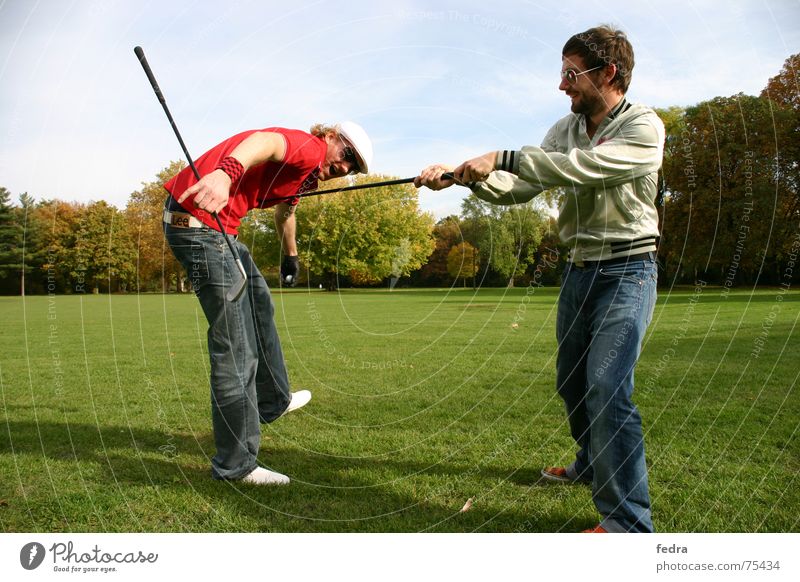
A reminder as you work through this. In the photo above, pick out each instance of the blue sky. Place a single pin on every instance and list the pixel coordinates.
(430, 81)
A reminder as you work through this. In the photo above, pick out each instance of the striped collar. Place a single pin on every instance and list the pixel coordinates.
(618, 110)
(621, 107)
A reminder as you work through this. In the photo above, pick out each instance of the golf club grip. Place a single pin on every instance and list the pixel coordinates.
(146, 66)
(152, 78)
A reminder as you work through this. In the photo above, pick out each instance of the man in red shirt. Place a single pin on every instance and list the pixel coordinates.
(253, 169)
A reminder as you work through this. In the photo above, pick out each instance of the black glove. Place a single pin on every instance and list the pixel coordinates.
(290, 269)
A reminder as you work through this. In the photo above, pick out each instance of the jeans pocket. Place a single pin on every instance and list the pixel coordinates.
(629, 272)
(198, 251)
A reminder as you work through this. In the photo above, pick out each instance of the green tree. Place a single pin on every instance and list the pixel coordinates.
(259, 233)
(506, 236)
(729, 205)
(11, 245)
(31, 241)
(678, 157)
(784, 91)
(463, 262)
(367, 235)
(57, 223)
(155, 266)
(446, 234)
(104, 255)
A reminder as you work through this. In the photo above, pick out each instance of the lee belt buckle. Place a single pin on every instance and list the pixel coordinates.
(179, 219)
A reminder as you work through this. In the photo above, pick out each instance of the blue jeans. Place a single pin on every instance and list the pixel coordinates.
(249, 382)
(603, 313)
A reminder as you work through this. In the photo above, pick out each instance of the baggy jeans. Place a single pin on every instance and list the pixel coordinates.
(249, 382)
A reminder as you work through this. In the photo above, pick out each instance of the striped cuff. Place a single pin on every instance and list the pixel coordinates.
(507, 161)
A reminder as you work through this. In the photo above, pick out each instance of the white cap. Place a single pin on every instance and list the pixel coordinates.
(360, 141)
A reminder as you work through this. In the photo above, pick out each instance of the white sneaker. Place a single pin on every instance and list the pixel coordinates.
(262, 476)
(299, 399)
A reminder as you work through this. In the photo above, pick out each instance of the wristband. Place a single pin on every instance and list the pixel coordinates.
(232, 167)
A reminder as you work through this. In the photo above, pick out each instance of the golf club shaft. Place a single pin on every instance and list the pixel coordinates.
(146, 66)
(446, 176)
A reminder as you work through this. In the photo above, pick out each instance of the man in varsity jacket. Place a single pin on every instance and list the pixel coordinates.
(605, 155)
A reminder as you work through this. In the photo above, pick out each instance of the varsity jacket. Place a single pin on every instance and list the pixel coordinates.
(610, 181)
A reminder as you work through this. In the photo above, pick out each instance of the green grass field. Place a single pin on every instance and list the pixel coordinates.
(423, 399)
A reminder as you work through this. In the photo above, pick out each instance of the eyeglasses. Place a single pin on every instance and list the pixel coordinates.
(571, 75)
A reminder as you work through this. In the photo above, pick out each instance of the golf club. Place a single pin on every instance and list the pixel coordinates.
(446, 176)
(236, 290)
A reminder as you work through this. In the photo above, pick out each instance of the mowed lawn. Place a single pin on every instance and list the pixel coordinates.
(423, 399)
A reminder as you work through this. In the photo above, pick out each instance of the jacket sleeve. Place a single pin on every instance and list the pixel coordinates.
(635, 151)
(506, 188)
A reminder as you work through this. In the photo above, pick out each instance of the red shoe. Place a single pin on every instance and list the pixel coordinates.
(559, 475)
(596, 529)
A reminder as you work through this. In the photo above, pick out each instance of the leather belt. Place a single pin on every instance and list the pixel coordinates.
(615, 261)
(181, 220)
(175, 215)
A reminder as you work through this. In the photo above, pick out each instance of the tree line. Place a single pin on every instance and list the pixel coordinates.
(729, 203)
(731, 185)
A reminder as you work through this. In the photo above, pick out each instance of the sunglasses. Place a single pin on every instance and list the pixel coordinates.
(571, 75)
(349, 155)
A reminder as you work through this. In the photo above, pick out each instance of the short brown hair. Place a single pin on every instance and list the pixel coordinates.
(604, 45)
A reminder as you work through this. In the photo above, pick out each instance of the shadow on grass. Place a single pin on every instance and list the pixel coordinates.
(124, 450)
(328, 494)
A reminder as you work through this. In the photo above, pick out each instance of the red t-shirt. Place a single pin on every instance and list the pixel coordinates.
(260, 185)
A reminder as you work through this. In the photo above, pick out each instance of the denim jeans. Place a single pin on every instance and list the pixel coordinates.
(603, 313)
(249, 383)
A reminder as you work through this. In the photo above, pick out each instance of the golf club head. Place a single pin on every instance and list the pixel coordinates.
(237, 287)
(236, 291)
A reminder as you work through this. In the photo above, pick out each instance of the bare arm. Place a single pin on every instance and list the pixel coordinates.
(286, 224)
(213, 189)
(260, 147)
